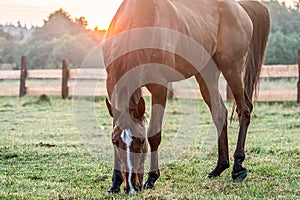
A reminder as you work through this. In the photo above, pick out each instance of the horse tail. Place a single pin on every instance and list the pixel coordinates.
(259, 15)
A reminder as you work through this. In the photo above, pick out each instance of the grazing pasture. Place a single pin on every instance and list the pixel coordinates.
(43, 157)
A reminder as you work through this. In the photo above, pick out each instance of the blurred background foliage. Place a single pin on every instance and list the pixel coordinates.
(284, 40)
(62, 37)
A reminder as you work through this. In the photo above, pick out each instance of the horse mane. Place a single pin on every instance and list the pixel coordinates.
(260, 18)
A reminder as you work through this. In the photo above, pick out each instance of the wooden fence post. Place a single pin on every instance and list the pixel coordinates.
(298, 98)
(23, 77)
(65, 77)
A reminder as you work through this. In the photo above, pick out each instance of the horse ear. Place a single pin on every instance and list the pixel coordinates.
(108, 105)
(141, 108)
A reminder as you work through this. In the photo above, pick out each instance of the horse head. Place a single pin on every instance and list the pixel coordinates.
(129, 140)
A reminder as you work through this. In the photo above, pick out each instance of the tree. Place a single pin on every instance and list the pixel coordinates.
(297, 4)
(7, 50)
(283, 19)
(58, 24)
(282, 49)
(7, 47)
(5, 34)
(284, 39)
(60, 38)
(74, 48)
(81, 22)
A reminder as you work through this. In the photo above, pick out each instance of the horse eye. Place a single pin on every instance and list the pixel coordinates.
(115, 141)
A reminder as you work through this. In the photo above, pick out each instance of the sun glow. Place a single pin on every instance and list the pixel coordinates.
(33, 12)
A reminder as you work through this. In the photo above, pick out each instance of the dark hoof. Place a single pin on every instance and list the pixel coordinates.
(211, 176)
(112, 191)
(239, 176)
(149, 185)
(217, 171)
(152, 178)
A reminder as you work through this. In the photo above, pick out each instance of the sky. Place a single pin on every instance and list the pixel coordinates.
(33, 12)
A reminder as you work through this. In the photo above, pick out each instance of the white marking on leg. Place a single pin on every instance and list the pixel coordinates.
(127, 139)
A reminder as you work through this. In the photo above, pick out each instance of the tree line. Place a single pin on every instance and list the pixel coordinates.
(284, 39)
(62, 37)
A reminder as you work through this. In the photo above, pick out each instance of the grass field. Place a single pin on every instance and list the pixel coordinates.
(43, 154)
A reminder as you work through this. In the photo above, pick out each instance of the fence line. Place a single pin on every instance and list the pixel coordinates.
(273, 71)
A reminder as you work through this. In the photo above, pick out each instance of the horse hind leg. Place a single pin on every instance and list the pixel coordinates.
(208, 83)
(234, 79)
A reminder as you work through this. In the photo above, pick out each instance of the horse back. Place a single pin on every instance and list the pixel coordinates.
(194, 18)
(213, 24)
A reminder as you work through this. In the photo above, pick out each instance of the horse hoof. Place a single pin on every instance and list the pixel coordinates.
(148, 185)
(239, 176)
(211, 176)
(109, 193)
(112, 191)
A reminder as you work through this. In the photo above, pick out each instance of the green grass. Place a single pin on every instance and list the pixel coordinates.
(75, 167)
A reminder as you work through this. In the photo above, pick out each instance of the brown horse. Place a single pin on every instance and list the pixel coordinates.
(153, 42)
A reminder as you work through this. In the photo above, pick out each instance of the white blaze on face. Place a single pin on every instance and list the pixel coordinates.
(127, 139)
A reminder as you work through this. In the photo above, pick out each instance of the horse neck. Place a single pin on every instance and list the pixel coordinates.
(122, 98)
(135, 98)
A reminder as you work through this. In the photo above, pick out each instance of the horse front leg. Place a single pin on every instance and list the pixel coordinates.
(154, 172)
(117, 179)
(159, 96)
